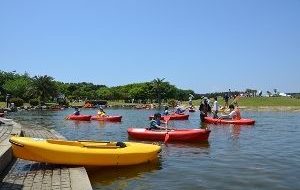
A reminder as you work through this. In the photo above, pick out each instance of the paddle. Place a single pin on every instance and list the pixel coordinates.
(167, 118)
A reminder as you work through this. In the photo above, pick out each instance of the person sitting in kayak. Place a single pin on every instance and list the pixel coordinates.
(234, 114)
(179, 110)
(155, 122)
(77, 111)
(166, 112)
(101, 112)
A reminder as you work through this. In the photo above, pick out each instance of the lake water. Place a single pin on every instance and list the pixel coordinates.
(263, 156)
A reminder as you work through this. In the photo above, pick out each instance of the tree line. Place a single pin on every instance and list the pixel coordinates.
(46, 89)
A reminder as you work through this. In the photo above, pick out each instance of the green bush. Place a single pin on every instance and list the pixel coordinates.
(34, 102)
(2, 98)
(17, 101)
(172, 102)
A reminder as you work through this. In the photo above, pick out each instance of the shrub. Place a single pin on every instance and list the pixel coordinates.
(172, 102)
(17, 101)
(34, 102)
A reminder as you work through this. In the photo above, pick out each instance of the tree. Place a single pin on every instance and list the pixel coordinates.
(104, 93)
(44, 87)
(158, 89)
(18, 87)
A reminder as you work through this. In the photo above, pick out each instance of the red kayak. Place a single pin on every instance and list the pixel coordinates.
(229, 121)
(111, 118)
(174, 117)
(79, 117)
(183, 135)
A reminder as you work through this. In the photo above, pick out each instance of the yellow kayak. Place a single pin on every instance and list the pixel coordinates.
(94, 153)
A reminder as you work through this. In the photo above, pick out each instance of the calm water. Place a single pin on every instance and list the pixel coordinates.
(263, 156)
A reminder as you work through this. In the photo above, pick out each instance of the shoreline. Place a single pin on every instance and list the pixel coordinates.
(271, 108)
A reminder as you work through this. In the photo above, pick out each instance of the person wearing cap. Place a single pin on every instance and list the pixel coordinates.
(155, 122)
(204, 108)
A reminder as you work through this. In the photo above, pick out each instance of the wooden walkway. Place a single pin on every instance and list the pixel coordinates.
(23, 174)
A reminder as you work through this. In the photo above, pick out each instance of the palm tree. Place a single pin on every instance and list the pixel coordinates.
(44, 87)
(158, 89)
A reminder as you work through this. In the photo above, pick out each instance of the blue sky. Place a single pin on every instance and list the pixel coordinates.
(205, 46)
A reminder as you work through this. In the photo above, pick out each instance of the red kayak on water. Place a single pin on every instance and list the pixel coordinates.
(79, 117)
(174, 117)
(112, 118)
(179, 135)
(242, 121)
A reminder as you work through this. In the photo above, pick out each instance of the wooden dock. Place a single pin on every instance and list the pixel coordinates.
(28, 175)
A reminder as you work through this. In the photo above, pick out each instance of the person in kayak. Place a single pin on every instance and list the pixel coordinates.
(179, 110)
(166, 112)
(234, 114)
(204, 108)
(155, 122)
(101, 112)
(215, 108)
(77, 111)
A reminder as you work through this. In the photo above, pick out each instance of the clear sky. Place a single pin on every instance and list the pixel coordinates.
(203, 45)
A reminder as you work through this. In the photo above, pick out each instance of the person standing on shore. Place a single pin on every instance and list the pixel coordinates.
(226, 99)
(204, 109)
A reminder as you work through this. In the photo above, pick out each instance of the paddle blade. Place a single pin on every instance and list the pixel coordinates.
(167, 138)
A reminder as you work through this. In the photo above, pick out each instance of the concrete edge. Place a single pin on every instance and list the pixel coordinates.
(79, 179)
(58, 135)
(78, 175)
(6, 154)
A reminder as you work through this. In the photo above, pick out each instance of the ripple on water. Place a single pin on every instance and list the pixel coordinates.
(263, 156)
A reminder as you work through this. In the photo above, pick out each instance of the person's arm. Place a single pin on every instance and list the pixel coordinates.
(228, 116)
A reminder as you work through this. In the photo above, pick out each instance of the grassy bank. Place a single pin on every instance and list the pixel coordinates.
(259, 101)
(248, 102)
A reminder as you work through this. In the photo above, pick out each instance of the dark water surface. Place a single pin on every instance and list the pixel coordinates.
(263, 156)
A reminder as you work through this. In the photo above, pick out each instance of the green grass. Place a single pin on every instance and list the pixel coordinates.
(259, 101)
(243, 101)
(2, 104)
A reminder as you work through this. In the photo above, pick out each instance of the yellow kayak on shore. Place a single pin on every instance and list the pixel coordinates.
(94, 153)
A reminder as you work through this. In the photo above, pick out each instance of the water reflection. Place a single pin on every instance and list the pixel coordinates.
(119, 177)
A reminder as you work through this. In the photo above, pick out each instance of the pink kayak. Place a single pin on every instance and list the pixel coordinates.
(111, 118)
(229, 121)
(183, 135)
(79, 117)
(174, 117)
